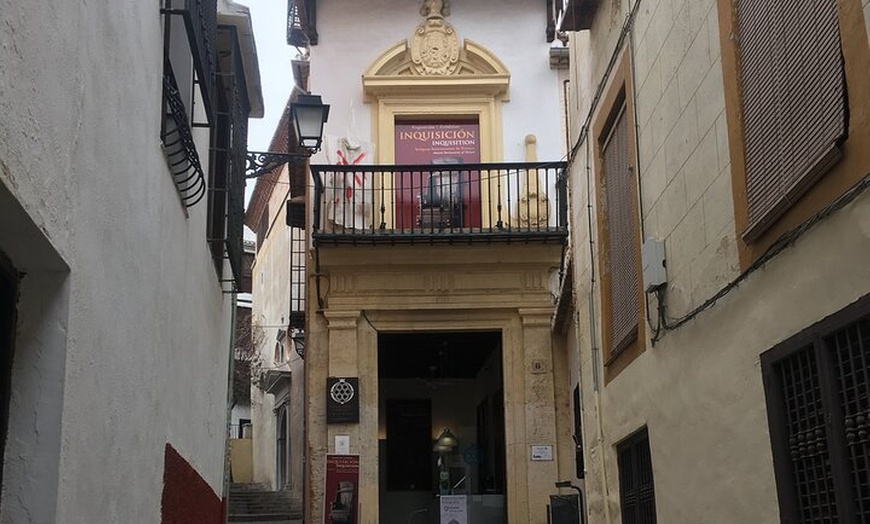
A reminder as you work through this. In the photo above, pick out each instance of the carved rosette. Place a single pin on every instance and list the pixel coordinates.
(435, 48)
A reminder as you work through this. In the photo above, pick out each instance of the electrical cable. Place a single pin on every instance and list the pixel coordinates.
(783, 242)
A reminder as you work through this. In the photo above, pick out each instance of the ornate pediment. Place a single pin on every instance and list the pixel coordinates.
(434, 55)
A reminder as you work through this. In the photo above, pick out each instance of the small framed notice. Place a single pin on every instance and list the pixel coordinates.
(542, 453)
(342, 444)
(454, 509)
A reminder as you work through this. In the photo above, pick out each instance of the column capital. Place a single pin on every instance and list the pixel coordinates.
(538, 316)
(342, 319)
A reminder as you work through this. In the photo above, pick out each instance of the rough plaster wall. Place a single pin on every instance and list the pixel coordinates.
(35, 408)
(146, 346)
(705, 408)
(348, 44)
(263, 420)
(699, 390)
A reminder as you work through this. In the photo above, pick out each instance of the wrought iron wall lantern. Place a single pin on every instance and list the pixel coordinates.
(307, 116)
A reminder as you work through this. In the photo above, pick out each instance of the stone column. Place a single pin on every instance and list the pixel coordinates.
(353, 353)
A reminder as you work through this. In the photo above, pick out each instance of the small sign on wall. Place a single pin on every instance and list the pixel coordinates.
(454, 509)
(342, 400)
(342, 444)
(542, 453)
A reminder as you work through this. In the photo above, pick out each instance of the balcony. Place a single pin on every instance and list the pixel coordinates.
(440, 203)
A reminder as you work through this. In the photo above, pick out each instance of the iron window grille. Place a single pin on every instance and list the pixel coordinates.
(301, 23)
(226, 190)
(178, 144)
(200, 22)
(636, 487)
(817, 387)
(575, 15)
(296, 223)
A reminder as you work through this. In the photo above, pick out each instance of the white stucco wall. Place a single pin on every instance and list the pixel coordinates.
(127, 331)
(271, 308)
(352, 37)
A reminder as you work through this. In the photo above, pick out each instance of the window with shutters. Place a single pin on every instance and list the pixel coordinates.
(618, 227)
(263, 228)
(792, 100)
(637, 497)
(817, 386)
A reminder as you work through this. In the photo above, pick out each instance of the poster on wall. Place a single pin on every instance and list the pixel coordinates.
(454, 509)
(447, 198)
(342, 489)
(349, 196)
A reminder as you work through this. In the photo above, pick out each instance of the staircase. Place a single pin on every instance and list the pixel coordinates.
(254, 503)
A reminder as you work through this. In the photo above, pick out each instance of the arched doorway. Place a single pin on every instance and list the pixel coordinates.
(283, 449)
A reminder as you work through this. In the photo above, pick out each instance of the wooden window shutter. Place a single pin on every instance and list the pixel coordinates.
(622, 242)
(793, 101)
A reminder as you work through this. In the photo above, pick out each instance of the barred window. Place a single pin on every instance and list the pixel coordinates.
(817, 386)
(637, 500)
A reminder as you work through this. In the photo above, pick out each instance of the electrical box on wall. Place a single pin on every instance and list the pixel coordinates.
(655, 273)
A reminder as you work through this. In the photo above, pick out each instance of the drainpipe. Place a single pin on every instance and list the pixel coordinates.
(225, 495)
(593, 343)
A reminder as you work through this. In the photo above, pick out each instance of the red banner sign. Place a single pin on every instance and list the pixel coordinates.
(342, 489)
(449, 198)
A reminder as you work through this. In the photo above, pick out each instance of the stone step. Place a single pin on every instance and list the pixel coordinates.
(255, 503)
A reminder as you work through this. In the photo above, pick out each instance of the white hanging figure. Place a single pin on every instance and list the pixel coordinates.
(349, 196)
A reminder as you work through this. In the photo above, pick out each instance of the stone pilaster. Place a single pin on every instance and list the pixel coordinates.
(540, 412)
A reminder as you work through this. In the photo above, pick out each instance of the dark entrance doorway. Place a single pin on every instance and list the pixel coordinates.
(441, 426)
(8, 300)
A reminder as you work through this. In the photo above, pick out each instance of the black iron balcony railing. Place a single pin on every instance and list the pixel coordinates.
(440, 203)
(178, 144)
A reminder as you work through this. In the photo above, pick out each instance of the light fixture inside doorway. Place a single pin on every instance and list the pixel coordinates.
(446, 442)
